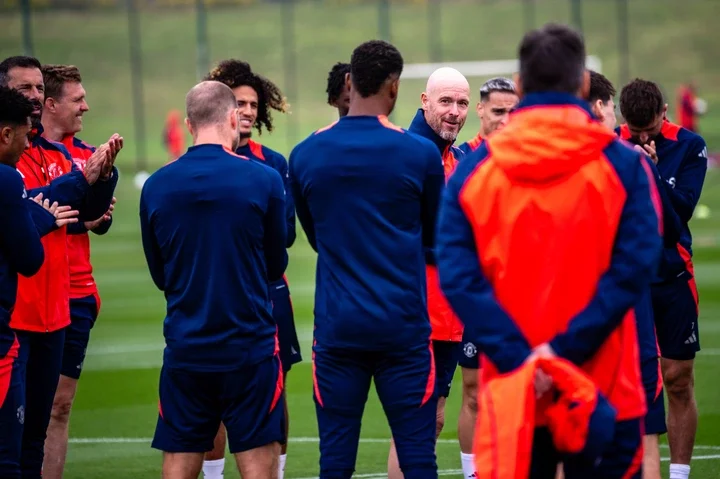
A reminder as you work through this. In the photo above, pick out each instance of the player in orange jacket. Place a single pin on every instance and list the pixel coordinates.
(549, 234)
(42, 310)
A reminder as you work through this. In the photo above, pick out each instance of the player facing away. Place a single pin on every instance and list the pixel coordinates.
(497, 99)
(62, 117)
(21, 253)
(256, 96)
(548, 236)
(371, 217)
(338, 95)
(213, 231)
(444, 108)
(681, 158)
(42, 310)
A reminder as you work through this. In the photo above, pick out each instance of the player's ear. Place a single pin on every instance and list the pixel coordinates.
(597, 109)
(394, 88)
(518, 85)
(584, 92)
(49, 104)
(234, 118)
(348, 81)
(480, 108)
(664, 112)
(189, 127)
(423, 100)
(6, 135)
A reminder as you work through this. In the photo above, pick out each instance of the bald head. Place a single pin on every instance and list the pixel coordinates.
(445, 101)
(445, 77)
(212, 115)
(208, 104)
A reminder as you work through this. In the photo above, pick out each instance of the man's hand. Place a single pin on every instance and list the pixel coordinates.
(63, 214)
(543, 382)
(115, 144)
(100, 164)
(649, 150)
(91, 225)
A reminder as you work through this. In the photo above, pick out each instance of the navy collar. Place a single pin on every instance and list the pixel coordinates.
(554, 99)
(419, 126)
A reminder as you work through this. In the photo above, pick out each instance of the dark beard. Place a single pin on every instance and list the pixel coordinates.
(245, 136)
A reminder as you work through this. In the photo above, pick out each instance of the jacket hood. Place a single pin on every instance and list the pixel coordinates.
(419, 126)
(550, 136)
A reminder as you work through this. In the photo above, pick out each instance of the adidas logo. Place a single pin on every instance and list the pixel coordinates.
(292, 350)
(703, 153)
(692, 339)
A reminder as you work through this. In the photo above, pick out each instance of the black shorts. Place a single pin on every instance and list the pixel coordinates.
(83, 313)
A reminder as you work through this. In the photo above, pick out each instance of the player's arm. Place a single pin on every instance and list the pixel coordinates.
(302, 209)
(466, 287)
(73, 189)
(153, 255)
(289, 203)
(689, 181)
(432, 191)
(635, 256)
(276, 258)
(672, 226)
(22, 226)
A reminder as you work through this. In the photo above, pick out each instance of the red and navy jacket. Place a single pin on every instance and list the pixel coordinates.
(22, 224)
(682, 165)
(82, 283)
(46, 167)
(213, 232)
(257, 152)
(472, 145)
(550, 233)
(366, 194)
(445, 324)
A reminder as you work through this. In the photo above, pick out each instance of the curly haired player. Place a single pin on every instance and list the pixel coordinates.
(256, 98)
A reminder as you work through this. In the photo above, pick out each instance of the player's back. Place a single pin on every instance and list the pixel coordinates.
(370, 190)
(545, 197)
(208, 213)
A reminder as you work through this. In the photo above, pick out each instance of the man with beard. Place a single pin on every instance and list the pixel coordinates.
(42, 310)
(497, 99)
(337, 91)
(256, 96)
(681, 158)
(21, 253)
(213, 232)
(62, 117)
(442, 115)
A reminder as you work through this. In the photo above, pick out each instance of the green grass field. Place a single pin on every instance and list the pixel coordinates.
(116, 406)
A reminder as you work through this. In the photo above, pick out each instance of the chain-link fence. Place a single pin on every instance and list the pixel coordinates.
(139, 57)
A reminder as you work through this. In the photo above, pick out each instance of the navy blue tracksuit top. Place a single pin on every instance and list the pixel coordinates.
(213, 231)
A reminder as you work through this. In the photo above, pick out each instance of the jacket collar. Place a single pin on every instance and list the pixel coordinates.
(419, 126)
(542, 99)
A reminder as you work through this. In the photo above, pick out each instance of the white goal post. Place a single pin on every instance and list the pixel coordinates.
(479, 68)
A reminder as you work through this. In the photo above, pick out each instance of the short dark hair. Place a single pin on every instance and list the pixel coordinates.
(552, 59)
(15, 108)
(641, 101)
(336, 81)
(372, 64)
(55, 76)
(496, 84)
(600, 88)
(237, 73)
(16, 62)
(208, 103)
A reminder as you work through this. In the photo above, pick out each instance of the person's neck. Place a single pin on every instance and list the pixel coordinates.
(371, 106)
(53, 132)
(244, 140)
(212, 138)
